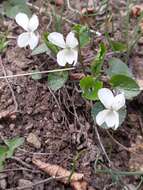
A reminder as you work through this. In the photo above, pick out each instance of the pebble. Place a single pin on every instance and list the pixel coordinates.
(1, 126)
(18, 89)
(12, 126)
(140, 42)
(34, 140)
(24, 182)
(3, 184)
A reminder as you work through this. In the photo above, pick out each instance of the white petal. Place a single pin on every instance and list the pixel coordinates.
(57, 39)
(112, 119)
(106, 97)
(119, 102)
(71, 56)
(117, 120)
(22, 20)
(33, 41)
(23, 39)
(33, 23)
(71, 40)
(61, 58)
(100, 118)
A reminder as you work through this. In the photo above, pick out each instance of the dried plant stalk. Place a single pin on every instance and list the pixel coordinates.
(58, 171)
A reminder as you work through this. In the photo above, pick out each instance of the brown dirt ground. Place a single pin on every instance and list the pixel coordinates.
(61, 121)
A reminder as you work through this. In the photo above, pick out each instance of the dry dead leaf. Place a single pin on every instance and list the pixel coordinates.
(6, 114)
(89, 9)
(76, 76)
(58, 2)
(141, 25)
(140, 83)
(76, 181)
(136, 10)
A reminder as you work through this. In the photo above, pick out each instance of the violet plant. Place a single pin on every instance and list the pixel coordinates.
(109, 108)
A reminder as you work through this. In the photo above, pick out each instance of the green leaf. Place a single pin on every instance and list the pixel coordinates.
(12, 7)
(90, 87)
(42, 48)
(99, 59)
(13, 144)
(84, 34)
(99, 107)
(36, 76)
(116, 66)
(3, 152)
(54, 49)
(57, 80)
(118, 46)
(3, 42)
(125, 84)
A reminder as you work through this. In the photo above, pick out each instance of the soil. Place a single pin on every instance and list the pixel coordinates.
(61, 121)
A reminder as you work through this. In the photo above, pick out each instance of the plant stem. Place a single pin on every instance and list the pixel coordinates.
(127, 20)
(119, 173)
(74, 164)
(80, 55)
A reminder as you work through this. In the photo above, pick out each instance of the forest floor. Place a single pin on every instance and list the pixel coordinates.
(58, 125)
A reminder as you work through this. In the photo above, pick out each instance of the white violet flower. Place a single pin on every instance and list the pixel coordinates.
(69, 52)
(29, 25)
(112, 105)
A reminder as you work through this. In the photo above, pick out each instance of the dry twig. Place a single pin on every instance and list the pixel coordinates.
(9, 85)
(102, 146)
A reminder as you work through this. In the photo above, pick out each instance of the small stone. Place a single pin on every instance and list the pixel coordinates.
(3, 184)
(140, 42)
(12, 126)
(10, 102)
(34, 140)
(24, 182)
(29, 110)
(1, 126)
(40, 186)
(18, 89)
(21, 64)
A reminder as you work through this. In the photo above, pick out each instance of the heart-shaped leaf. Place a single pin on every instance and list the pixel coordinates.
(125, 84)
(3, 154)
(57, 80)
(13, 144)
(117, 67)
(90, 87)
(35, 75)
(41, 49)
(13, 7)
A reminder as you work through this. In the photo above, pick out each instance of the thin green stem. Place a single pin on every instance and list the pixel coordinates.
(139, 185)
(80, 55)
(119, 173)
(74, 164)
(127, 21)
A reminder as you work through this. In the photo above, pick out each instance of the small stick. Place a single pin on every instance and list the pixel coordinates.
(37, 183)
(20, 169)
(125, 148)
(9, 85)
(37, 72)
(21, 162)
(101, 145)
